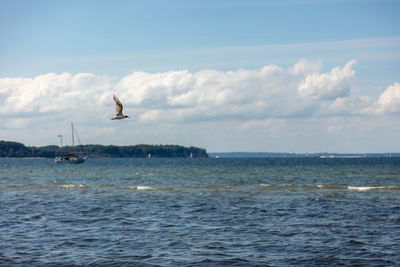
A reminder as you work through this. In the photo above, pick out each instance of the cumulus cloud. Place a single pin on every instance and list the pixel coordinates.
(350, 105)
(206, 94)
(304, 66)
(389, 100)
(270, 92)
(211, 87)
(52, 93)
(328, 86)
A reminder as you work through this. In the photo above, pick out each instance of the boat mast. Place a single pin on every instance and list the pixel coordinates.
(72, 130)
(60, 136)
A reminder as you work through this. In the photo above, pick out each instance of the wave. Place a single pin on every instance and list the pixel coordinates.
(210, 187)
(278, 185)
(73, 186)
(141, 187)
(25, 186)
(365, 188)
(331, 187)
(43, 186)
(322, 186)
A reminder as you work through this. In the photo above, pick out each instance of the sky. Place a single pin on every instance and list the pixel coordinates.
(302, 76)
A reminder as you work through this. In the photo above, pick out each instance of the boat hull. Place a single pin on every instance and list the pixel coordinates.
(70, 159)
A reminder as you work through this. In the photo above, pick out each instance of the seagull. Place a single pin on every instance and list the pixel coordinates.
(118, 110)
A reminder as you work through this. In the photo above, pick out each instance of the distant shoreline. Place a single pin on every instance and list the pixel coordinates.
(23, 158)
(300, 155)
(10, 149)
(18, 150)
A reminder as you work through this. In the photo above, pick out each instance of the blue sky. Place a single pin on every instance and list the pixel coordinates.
(51, 34)
(326, 71)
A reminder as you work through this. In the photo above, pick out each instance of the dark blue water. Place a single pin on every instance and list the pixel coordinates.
(200, 212)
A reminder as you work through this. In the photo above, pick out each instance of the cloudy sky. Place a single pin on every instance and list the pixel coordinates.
(263, 76)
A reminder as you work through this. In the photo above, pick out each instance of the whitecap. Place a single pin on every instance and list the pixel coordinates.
(142, 187)
(323, 186)
(69, 186)
(72, 186)
(365, 188)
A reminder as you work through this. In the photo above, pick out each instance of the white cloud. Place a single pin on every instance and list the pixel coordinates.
(389, 101)
(250, 103)
(304, 66)
(206, 94)
(208, 87)
(184, 96)
(350, 105)
(53, 94)
(328, 86)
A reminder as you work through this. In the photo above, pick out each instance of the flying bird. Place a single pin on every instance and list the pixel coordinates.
(118, 110)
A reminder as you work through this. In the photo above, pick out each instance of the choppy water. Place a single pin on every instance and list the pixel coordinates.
(200, 212)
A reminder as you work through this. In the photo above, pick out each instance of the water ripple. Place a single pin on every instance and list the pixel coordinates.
(167, 212)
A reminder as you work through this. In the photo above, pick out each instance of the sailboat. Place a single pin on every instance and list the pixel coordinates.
(73, 156)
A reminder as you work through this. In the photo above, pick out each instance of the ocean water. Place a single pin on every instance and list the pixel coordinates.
(200, 212)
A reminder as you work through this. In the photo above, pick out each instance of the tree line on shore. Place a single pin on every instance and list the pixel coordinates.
(19, 150)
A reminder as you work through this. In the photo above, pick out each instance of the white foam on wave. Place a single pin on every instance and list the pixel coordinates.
(72, 186)
(278, 185)
(140, 187)
(365, 188)
(329, 187)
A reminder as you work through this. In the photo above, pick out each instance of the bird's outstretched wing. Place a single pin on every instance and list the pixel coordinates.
(118, 107)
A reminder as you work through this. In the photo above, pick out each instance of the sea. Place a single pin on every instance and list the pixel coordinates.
(200, 212)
